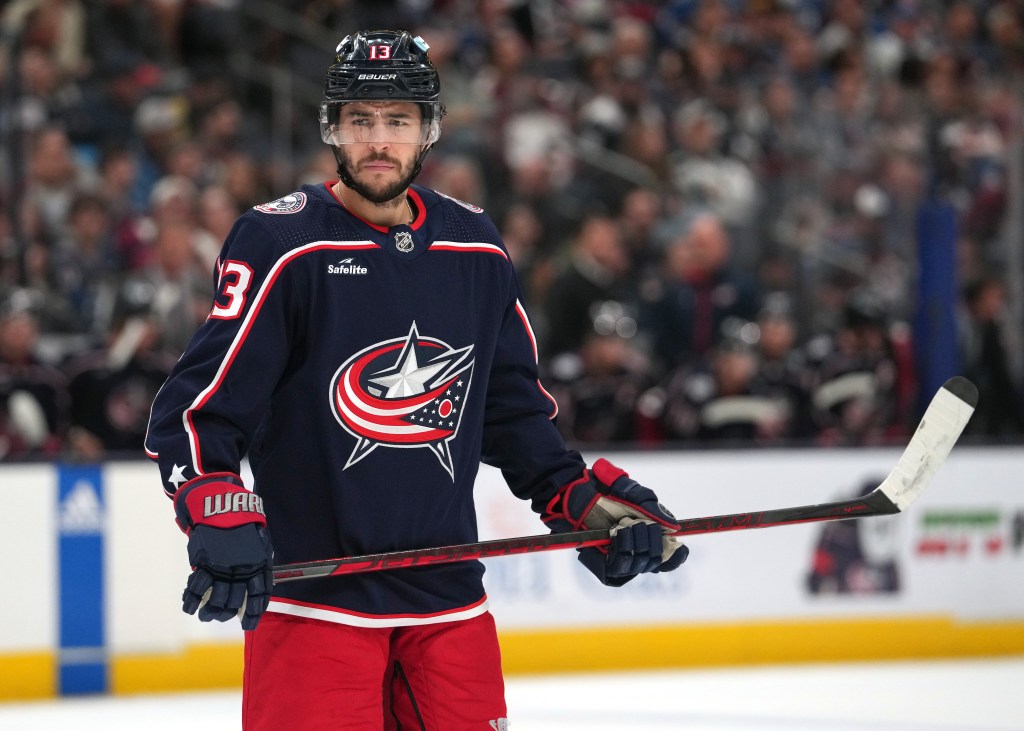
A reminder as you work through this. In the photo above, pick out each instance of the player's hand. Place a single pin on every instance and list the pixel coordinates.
(228, 547)
(606, 497)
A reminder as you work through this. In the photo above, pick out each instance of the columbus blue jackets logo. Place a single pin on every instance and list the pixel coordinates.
(407, 392)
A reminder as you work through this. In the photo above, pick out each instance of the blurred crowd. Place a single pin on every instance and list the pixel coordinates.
(711, 204)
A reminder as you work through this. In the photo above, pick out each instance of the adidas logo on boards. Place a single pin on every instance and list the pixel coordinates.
(81, 512)
(347, 267)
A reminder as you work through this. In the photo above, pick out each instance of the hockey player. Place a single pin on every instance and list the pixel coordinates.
(367, 349)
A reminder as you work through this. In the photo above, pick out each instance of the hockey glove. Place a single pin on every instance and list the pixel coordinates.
(606, 497)
(228, 547)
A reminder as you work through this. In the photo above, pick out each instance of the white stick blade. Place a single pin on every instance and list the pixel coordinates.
(943, 422)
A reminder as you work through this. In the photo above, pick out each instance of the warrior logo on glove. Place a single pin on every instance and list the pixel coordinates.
(232, 502)
(406, 392)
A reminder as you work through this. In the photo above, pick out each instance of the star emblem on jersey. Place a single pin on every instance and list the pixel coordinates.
(406, 392)
(177, 475)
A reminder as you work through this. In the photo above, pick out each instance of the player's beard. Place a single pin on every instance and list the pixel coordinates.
(380, 194)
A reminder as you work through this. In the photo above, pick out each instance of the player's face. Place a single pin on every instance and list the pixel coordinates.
(379, 122)
(382, 144)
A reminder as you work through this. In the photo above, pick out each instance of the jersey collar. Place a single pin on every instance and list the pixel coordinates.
(414, 198)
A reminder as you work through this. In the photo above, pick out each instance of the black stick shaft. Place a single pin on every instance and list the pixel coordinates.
(874, 504)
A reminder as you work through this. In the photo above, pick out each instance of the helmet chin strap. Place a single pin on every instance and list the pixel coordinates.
(351, 183)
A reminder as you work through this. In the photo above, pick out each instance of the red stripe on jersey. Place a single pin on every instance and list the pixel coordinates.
(479, 248)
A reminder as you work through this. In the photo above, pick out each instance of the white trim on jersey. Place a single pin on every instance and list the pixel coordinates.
(536, 357)
(468, 246)
(340, 616)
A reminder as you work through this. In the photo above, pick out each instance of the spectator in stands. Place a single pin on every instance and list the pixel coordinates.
(187, 159)
(782, 369)
(117, 175)
(615, 72)
(84, 264)
(539, 182)
(221, 129)
(596, 271)
(720, 398)
(118, 29)
(245, 180)
(30, 268)
(57, 28)
(160, 123)
(181, 284)
(785, 141)
(522, 232)
(646, 142)
(33, 393)
(598, 385)
(638, 218)
(173, 199)
(459, 177)
(800, 61)
(116, 171)
(53, 179)
(112, 386)
(9, 264)
(47, 97)
(218, 212)
(697, 291)
(986, 347)
(860, 396)
(708, 177)
(465, 125)
(122, 79)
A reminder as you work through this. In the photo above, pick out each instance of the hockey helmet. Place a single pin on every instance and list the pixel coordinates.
(374, 66)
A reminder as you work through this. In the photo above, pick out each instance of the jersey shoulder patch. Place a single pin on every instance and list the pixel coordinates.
(467, 206)
(291, 203)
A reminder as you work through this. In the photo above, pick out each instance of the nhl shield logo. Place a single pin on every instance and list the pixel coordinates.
(403, 241)
(406, 393)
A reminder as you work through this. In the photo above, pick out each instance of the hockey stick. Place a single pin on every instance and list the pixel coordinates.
(940, 427)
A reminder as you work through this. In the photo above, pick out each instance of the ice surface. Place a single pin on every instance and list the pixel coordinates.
(975, 695)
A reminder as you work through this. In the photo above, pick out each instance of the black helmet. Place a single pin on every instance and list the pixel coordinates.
(382, 65)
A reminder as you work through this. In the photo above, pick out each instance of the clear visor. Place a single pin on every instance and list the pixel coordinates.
(387, 123)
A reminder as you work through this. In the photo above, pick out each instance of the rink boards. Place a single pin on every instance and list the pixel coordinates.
(95, 568)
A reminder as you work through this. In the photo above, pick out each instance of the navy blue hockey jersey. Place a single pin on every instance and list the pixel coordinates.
(366, 372)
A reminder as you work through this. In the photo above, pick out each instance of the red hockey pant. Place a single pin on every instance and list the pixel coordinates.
(310, 675)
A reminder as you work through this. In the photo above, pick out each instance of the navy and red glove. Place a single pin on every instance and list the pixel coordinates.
(606, 497)
(228, 547)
